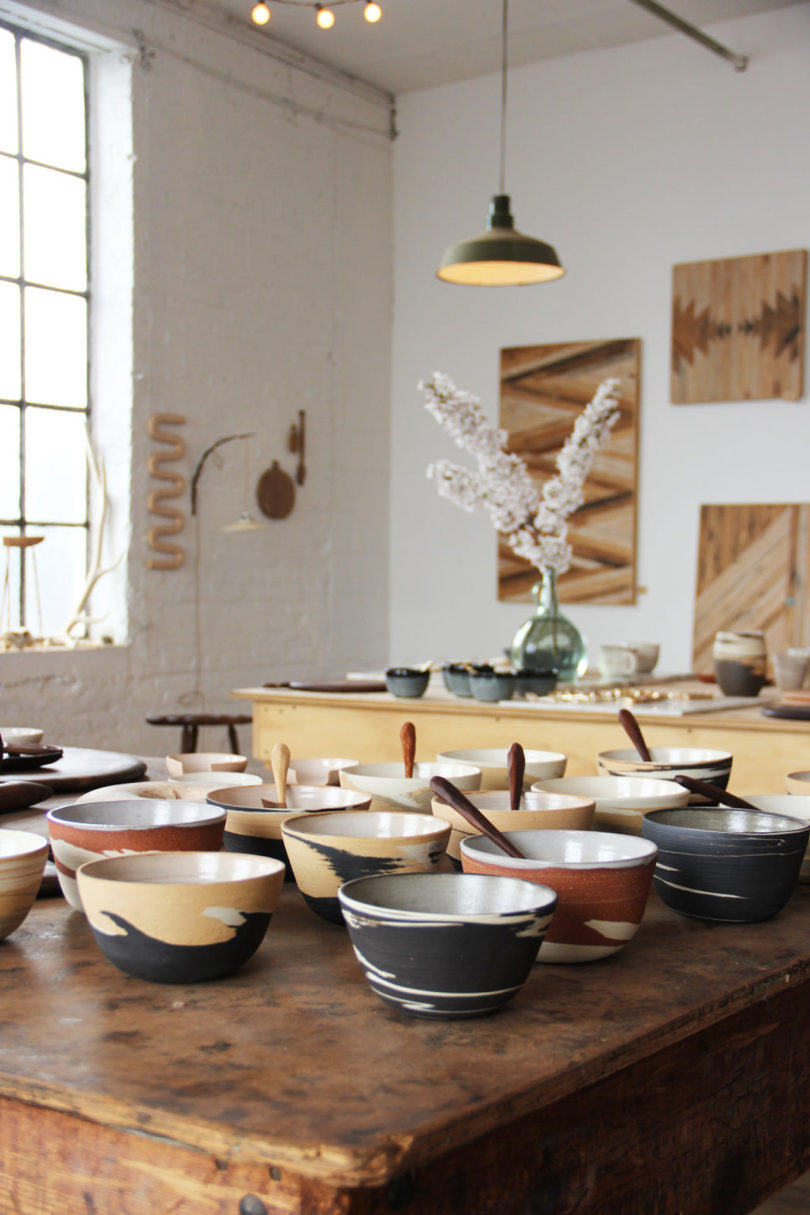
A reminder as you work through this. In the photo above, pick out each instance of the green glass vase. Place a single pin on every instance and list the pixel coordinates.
(548, 638)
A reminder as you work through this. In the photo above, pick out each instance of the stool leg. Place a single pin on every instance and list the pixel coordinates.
(188, 742)
(232, 739)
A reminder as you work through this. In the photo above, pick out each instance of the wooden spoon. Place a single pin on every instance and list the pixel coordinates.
(448, 793)
(407, 736)
(633, 731)
(715, 793)
(515, 766)
(280, 762)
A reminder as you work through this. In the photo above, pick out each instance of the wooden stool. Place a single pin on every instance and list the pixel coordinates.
(191, 722)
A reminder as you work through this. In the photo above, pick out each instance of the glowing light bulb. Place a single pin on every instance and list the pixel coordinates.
(372, 12)
(261, 13)
(325, 17)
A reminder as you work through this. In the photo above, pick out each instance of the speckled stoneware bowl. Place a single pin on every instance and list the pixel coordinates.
(798, 782)
(537, 811)
(621, 801)
(794, 806)
(391, 789)
(85, 831)
(162, 790)
(254, 820)
(540, 765)
(668, 762)
(738, 866)
(326, 850)
(317, 771)
(180, 917)
(22, 863)
(602, 880)
(446, 945)
(205, 761)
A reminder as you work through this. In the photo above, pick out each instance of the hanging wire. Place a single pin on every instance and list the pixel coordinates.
(504, 41)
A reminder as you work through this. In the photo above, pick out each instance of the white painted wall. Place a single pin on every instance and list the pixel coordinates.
(628, 161)
(262, 272)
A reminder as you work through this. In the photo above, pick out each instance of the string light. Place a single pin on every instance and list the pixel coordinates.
(324, 17)
(261, 13)
(324, 14)
(372, 12)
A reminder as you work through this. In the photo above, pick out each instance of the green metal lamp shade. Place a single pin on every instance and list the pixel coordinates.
(501, 256)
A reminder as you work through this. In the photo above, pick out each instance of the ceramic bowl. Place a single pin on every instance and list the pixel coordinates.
(739, 866)
(163, 790)
(320, 771)
(254, 821)
(406, 681)
(216, 779)
(326, 850)
(602, 881)
(456, 676)
(21, 734)
(85, 831)
(493, 685)
(390, 789)
(540, 765)
(798, 782)
(621, 801)
(538, 810)
(205, 761)
(794, 806)
(446, 945)
(668, 762)
(538, 683)
(180, 917)
(22, 863)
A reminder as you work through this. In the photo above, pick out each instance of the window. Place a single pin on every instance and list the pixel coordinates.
(44, 305)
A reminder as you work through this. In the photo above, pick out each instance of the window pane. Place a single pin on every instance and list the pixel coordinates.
(10, 592)
(9, 216)
(56, 568)
(54, 220)
(8, 93)
(9, 462)
(52, 106)
(55, 348)
(55, 466)
(10, 345)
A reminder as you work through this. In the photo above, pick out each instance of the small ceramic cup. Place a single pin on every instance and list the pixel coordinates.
(617, 662)
(790, 670)
(646, 653)
(739, 662)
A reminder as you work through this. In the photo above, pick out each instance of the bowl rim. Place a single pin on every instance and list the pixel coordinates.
(29, 844)
(634, 796)
(656, 815)
(96, 869)
(641, 849)
(563, 801)
(361, 798)
(419, 778)
(308, 827)
(534, 902)
(531, 757)
(629, 755)
(202, 814)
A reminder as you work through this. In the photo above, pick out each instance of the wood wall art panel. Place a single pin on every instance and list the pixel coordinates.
(543, 390)
(753, 564)
(738, 328)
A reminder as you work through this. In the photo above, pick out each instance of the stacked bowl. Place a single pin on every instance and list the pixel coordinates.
(537, 811)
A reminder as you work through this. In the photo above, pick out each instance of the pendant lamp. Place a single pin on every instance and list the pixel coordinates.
(501, 256)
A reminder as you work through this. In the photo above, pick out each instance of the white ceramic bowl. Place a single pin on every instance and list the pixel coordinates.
(621, 801)
(216, 780)
(162, 790)
(21, 734)
(537, 811)
(205, 761)
(540, 765)
(22, 863)
(390, 789)
(317, 771)
(667, 763)
(794, 805)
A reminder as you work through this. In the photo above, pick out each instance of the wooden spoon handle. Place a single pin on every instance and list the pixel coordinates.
(448, 793)
(714, 793)
(515, 766)
(633, 731)
(407, 736)
(280, 762)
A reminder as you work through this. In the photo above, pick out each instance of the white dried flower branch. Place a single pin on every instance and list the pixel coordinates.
(534, 523)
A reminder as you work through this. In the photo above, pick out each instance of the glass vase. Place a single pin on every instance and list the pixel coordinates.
(548, 638)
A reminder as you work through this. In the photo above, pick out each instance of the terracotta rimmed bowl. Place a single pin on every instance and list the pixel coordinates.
(621, 801)
(602, 880)
(736, 866)
(794, 806)
(162, 790)
(540, 765)
(19, 735)
(326, 850)
(254, 821)
(446, 945)
(667, 763)
(180, 917)
(318, 771)
(798, 782)
(391, 789)
(22, 863)
(85, 831)
(538, 811)
(205, 761)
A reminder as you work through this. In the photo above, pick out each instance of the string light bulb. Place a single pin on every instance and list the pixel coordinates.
(260, 13)
(372, 12)
(324, 17)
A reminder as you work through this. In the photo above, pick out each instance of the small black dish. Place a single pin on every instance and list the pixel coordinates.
(406, 681)
(22, 759)
(539, 682)
(493, 685)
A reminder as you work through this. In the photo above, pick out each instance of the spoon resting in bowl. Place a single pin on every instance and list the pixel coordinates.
(632, 729)
(714, 793)
(447, 792)
(515, 767)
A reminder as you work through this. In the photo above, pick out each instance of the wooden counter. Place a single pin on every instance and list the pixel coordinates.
(365, 726)
(674, 1077)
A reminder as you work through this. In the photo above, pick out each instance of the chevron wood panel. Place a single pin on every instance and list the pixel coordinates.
(543, 390)
(738, 328)
(753, 563)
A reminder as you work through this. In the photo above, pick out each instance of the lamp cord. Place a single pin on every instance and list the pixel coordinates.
(504, 40)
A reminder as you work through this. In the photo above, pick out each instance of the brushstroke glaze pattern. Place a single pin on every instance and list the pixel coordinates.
(22, 863)
(669, 762)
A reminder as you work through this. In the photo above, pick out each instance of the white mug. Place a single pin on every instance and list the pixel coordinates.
(617, 661)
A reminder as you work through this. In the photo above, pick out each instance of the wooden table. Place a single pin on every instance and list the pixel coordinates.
(366, 727)
(672, 1078)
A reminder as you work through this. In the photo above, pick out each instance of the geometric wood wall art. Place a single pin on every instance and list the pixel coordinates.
(753, 564)
(543, 390)
(738, 328)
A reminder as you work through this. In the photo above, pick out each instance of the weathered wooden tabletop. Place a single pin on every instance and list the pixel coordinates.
(290, 1083)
